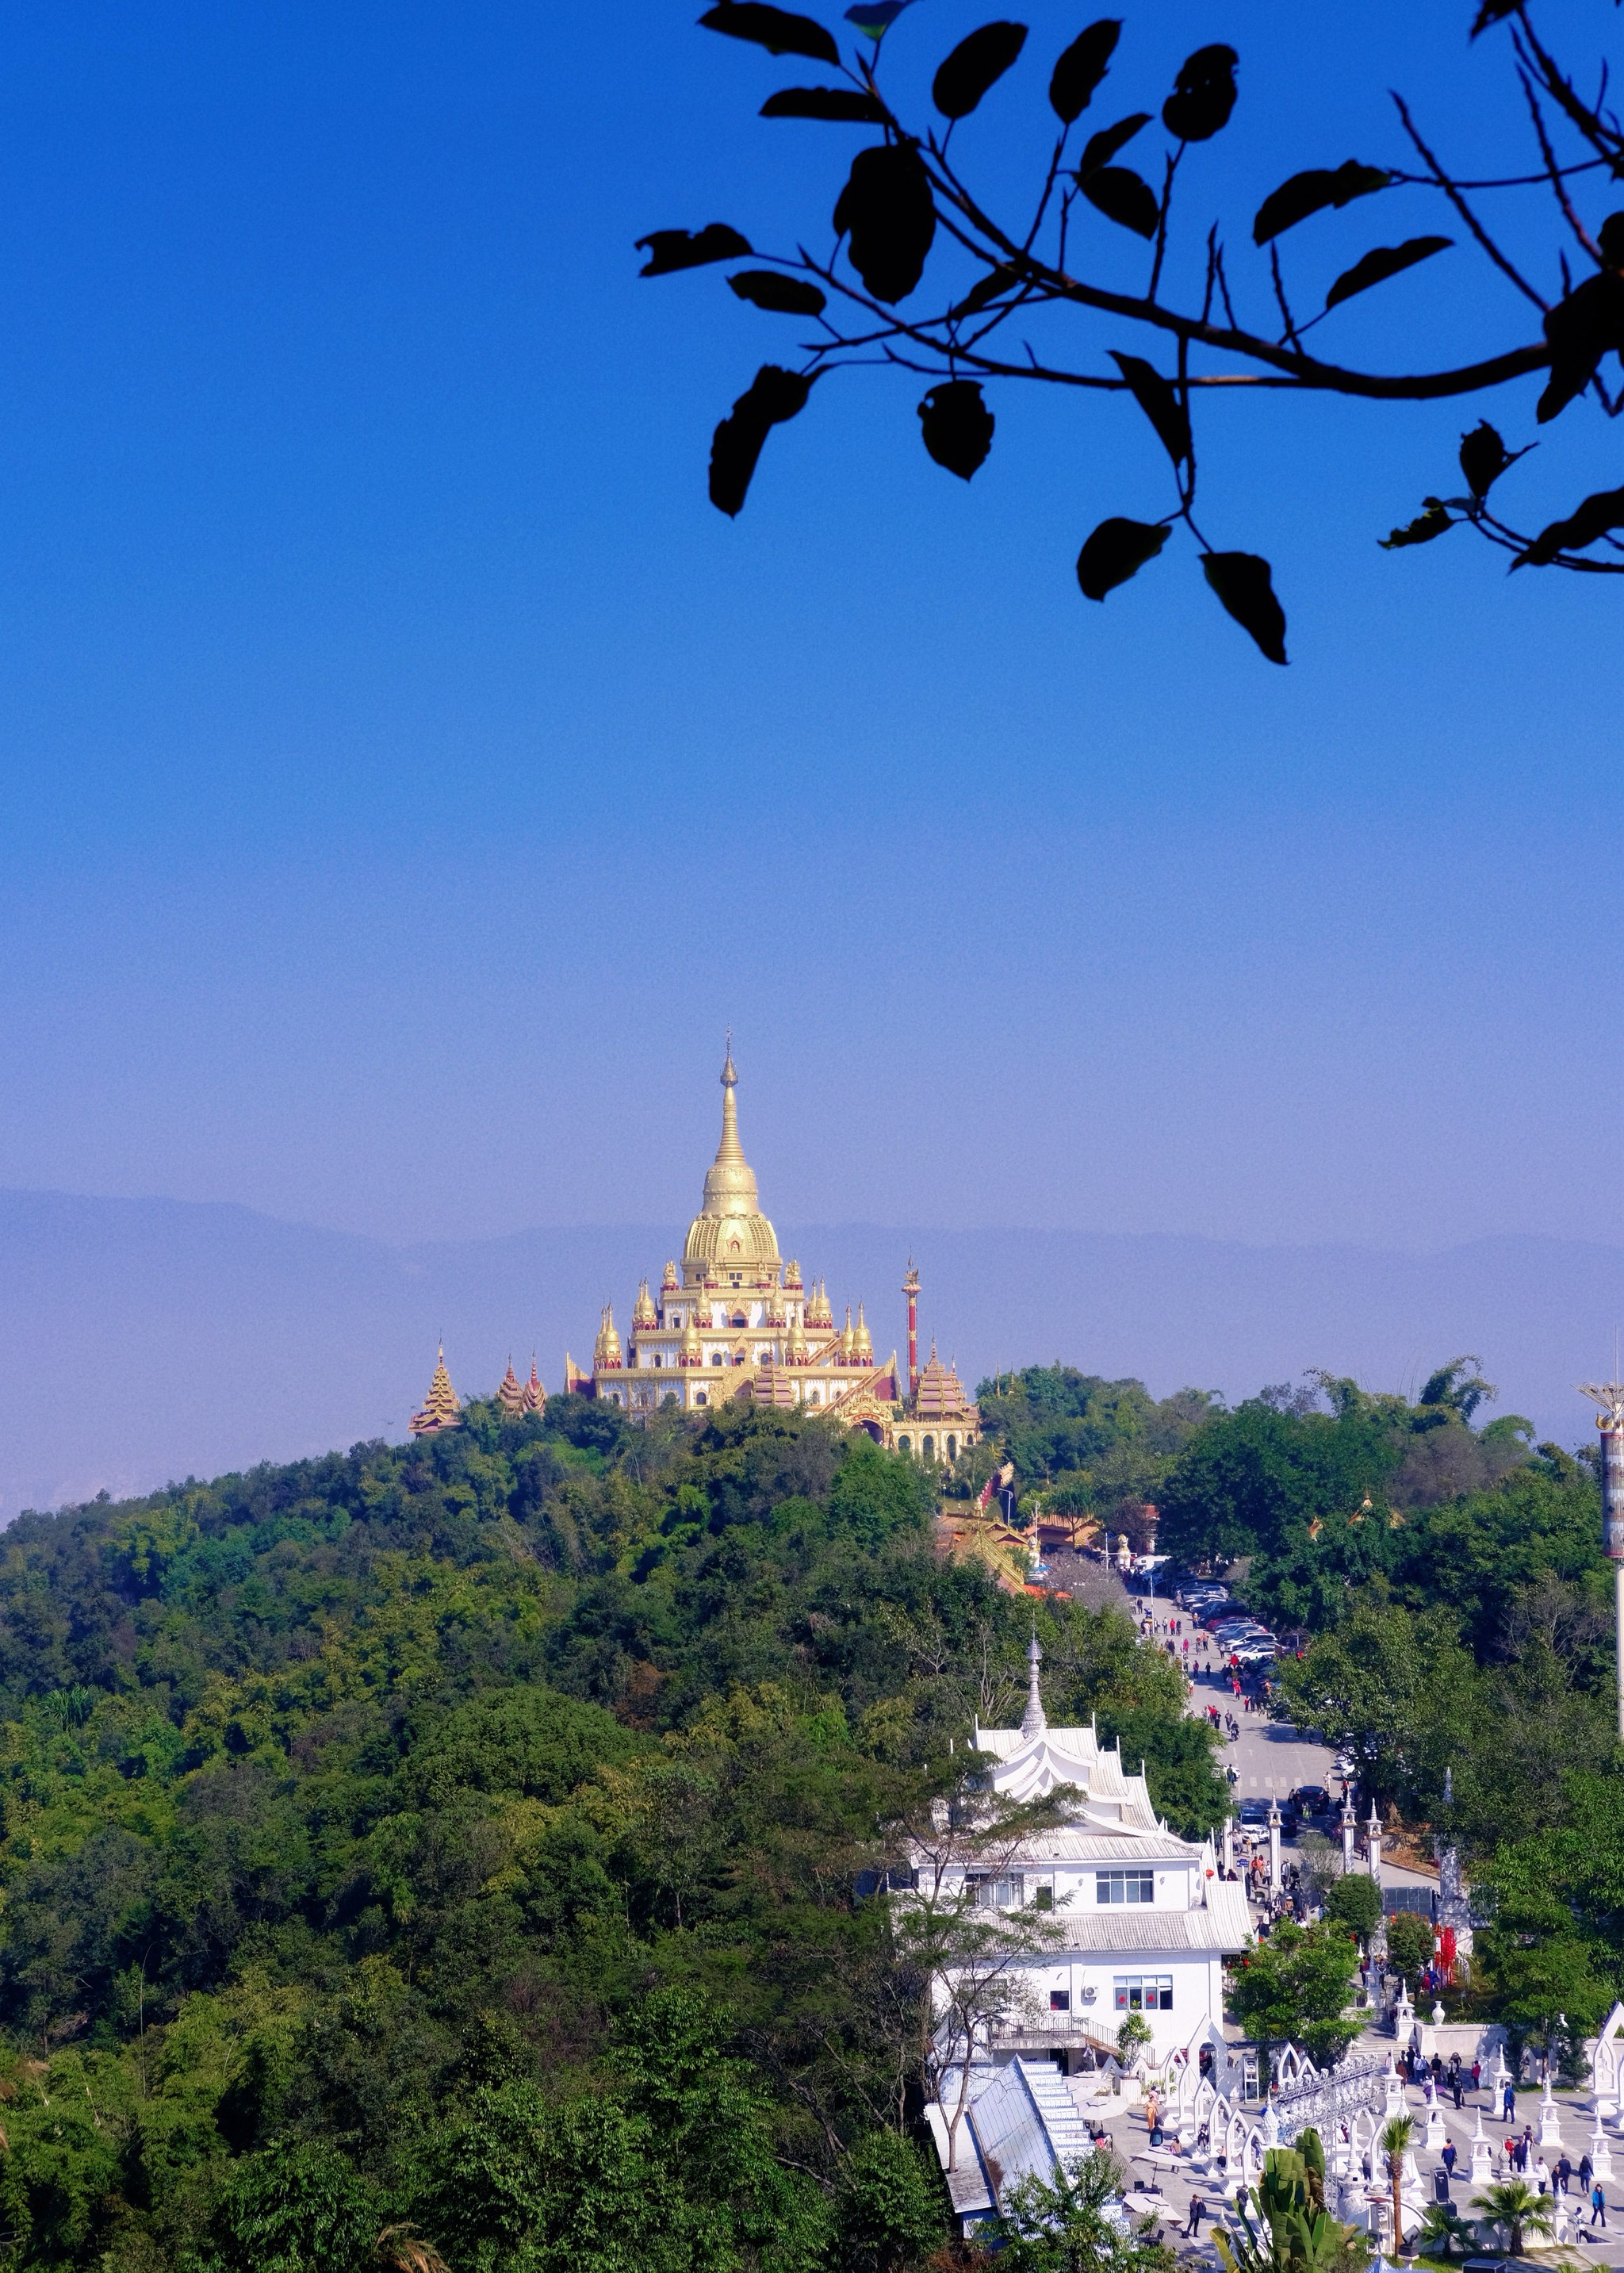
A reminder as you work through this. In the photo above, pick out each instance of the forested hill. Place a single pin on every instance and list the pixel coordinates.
(465, 1842)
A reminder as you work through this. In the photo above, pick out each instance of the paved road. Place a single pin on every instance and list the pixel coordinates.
(1129, 2143)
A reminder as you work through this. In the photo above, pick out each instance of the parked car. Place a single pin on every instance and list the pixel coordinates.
(1312, 1800)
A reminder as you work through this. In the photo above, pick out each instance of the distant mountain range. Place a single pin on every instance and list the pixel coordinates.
(145, 1341)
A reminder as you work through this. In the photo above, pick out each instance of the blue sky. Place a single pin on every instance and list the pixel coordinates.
(407, 774)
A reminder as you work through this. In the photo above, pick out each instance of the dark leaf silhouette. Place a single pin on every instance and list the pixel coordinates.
(956, 426)
(845, 103)
(1594, 518)
(1117, 549)
(1386, 260)
(1484, 458)
(1311, 193)
(1610, 240)
(887, 214)
(1426, 525)
(1124, 196)
(1580, 330)
(1082, 67)
(982, 294)
(875, 20)
(975, 65)
(1491, 13)
(1161, 406)
(1203, 94)
(772, 28)
(772, 396)
(1242, 582)
(672, 248)
(782, 295)
(1101, 148)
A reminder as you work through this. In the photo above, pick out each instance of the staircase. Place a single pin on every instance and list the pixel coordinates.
(1068, 2133)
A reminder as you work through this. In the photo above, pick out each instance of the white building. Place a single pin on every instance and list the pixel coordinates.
(1145, 1921)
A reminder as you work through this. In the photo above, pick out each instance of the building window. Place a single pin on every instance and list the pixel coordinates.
(903, 1444)
(699, 1398)
(1143, 1992)
(739, 1319)
(717, 1358)
(656, 1357)
(1124, 1885)
(1006, 1892)
(1060, 2001)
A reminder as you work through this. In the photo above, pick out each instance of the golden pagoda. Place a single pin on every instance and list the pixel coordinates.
(440, 1409)
(534, 1395)
(510, 1391)
(733, 1321)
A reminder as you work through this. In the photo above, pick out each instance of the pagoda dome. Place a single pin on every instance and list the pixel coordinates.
(849, 1340)
(606, 1350)
(796, 1350)
(643, 1308)
(510, 1390)
(862, 1345)
(818, 1310)
(691, 1351)
(534, 1395)
(730, 1232)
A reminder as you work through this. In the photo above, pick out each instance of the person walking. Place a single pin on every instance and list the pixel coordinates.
(1447, 2157)
(1542, 2176)
(1564, 2171)
(1586, 2172)
(1454, 2082)
(1477, 2076)
(1598, 2207)
(1198, 2210)
(1509, 2111)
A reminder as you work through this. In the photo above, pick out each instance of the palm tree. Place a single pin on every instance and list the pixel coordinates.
(1515, 2206)
(1443, 2230)
(1394, 2146)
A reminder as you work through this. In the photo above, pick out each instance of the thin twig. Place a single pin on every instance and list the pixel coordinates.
(1553, 172)
(1284, 306)
(1161, 220)
(1465, 212)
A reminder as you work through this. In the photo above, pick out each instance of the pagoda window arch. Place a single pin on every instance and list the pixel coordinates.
(718, 1357)
(904, 1445)
(699, 1398)
(927, 1446)
(953, 1448)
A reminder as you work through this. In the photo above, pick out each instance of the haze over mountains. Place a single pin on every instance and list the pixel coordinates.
(145, 1341)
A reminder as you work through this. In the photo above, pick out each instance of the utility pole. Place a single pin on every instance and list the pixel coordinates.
(1610, 1396)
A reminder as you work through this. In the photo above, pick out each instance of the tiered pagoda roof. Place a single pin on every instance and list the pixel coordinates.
(441, 1409)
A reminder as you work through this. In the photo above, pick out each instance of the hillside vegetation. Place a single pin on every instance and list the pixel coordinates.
(467, 1842)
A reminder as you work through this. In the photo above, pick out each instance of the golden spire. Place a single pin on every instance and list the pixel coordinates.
(730, 1232)
(606, 1349)
(797, 1351)
(643, 1308)
(848, 1340)
(534, 1395)
(691, 1353)
(510, 1390)
(440, 1408)
(862, 1347)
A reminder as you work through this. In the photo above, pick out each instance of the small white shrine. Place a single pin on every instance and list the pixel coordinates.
(1145, 1921)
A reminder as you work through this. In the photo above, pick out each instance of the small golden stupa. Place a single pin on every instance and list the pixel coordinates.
(510, 1391)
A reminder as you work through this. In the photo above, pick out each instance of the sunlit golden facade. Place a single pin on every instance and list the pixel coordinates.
(735, 1321)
